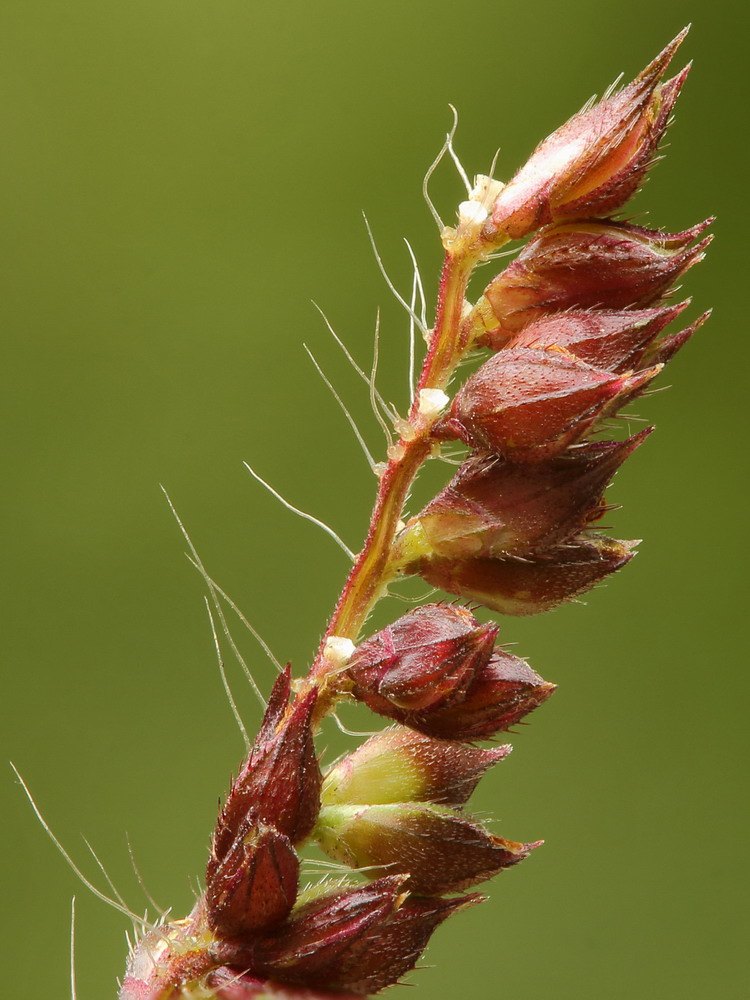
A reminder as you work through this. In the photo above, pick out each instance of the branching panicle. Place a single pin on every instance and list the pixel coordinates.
(573, 331)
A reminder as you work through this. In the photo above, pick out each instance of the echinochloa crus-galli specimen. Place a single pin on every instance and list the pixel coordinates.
(574, 328)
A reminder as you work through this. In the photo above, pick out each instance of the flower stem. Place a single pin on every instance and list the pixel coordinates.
(371, 572)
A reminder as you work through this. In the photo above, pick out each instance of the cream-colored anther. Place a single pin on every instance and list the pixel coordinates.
(472, 213)
(432, 402)
(404, 429)
(338, 649)
(486, 189)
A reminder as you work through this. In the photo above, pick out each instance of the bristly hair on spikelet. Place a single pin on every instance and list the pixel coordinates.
(566, 336)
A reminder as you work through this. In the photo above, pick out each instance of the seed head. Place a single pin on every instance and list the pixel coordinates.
(391, 950)
(596, 161)
(255, 884)
(502, 694)
(401, 765)
(494, 507)
(529, 585)
(576, 322)
(318, 938)
(360, 939)
(615, 340)
(530, 404)
(585, 265)
(424, 659)
(279, 782)
(440, 850)
(379, 957)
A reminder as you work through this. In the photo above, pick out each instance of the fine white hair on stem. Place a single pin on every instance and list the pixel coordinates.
(312, 870)
(328, 872)
(141, 921)
(612, 87)
(494, 163)
(394, 291)
(196, 561)
(225, 682)
(411, 600)
(373, 374)
(453, 155)
(73, 989)
(420, 285)
(499, 255)
(431, 170)
(301, 513)
(357, 368)
(236, 979)
(412, 339)
(344, 410)
(335, 866)
(213, 585)
(588, 104)
(321, 863)
(115, 892)
(137, 872)
(230, 638)
(417, 286)
(352, 732)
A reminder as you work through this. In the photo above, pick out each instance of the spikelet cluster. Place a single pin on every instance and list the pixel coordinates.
(574, 328)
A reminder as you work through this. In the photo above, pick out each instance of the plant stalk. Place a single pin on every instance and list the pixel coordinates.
(371, 572)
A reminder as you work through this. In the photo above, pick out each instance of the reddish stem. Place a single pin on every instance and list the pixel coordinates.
(370, 574)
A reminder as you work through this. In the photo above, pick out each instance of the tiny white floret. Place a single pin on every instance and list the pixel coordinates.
(338, 649)
(432, 402)
(472, 212)
(486, 189)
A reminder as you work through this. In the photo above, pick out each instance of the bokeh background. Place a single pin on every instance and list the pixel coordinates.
(178, 180)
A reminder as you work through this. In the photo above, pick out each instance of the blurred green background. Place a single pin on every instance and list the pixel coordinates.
(179, 179)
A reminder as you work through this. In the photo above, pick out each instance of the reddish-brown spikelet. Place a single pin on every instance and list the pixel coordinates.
(391, 950)
(530, 404)
(499, 689)
(401, 765)
(425, 658)
(364, 947)
(585, 265)
(530, 585)
(439, 849)
(494, 507)
(255, 885)
(595, 162)
(279, 782)
(319, 937)
(615, 340)
(502, 694)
